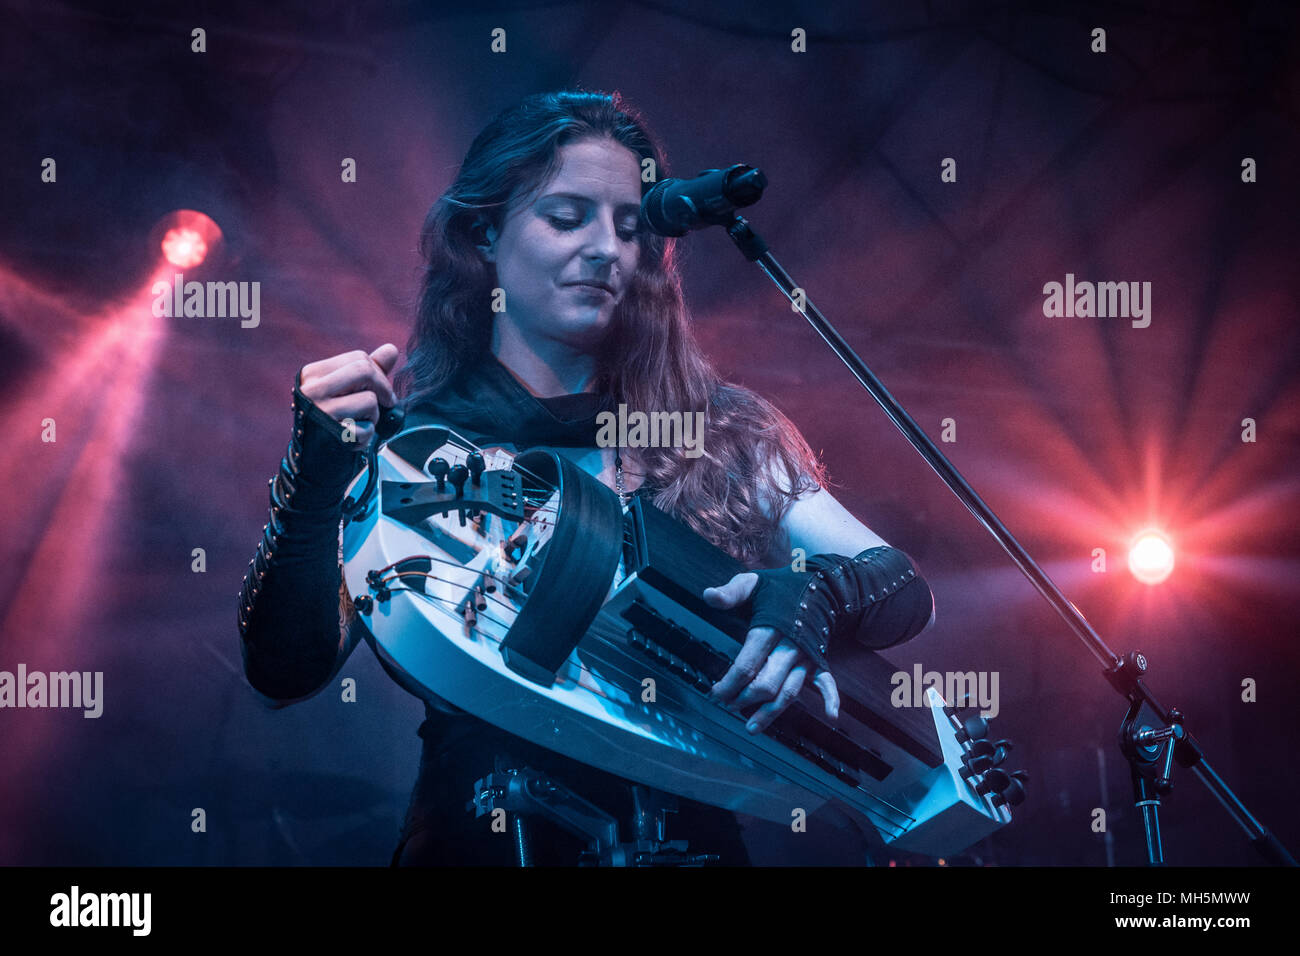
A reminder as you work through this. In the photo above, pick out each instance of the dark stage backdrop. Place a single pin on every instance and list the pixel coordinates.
(933, 167)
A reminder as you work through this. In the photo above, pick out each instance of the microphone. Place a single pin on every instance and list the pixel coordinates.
(676, 206)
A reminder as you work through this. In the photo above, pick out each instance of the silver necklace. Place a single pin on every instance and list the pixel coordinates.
(618, 477)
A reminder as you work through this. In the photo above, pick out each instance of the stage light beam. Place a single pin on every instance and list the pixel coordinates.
(1151, 558)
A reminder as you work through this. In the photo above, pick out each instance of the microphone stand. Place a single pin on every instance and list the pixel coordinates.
(1150, 751)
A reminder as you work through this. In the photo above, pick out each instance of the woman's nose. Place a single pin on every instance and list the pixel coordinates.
(602, 242)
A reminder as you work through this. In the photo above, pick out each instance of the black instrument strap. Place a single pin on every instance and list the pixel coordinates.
(576, 571)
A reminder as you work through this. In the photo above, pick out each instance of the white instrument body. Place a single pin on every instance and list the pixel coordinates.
(600, 710)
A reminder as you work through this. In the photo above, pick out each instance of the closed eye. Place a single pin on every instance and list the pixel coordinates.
(564, 225)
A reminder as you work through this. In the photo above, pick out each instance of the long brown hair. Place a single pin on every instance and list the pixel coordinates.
(753, 455)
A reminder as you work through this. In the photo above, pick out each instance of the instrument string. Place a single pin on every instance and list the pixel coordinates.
(590, 688)
(487, 595)
(541, 497)
(453, 603)
(545, 485)
(456, 564)
(505, 583)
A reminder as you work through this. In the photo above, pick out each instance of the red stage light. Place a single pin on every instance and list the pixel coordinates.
(184, 248)
(1151, 558)
(187, 238)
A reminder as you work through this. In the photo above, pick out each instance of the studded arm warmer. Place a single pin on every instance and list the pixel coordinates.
(292, 610)
(877, 598)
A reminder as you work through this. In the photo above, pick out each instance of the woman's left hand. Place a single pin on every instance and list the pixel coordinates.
(769, 670)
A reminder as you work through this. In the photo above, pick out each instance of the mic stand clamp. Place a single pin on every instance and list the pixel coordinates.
(1149, 750)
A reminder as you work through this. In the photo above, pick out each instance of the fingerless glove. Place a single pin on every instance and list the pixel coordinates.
(876, 598)
(289, 607)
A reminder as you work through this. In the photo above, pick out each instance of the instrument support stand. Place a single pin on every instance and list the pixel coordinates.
(524, 792)
(1144, 746)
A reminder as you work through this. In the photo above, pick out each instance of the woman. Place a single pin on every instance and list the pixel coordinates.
(545, 302)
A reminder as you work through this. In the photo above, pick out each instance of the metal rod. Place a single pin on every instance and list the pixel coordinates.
(755, 250)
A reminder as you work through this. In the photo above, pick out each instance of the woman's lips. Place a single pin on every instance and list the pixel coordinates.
(592, 290)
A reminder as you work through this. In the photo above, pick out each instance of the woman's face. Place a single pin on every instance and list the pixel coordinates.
(579, 227)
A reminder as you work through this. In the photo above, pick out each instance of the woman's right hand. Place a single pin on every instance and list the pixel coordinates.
(353, 386)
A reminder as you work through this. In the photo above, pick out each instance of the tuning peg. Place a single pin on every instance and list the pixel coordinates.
(972, 728)
(984, 755)
(1013, 794)
(458, 476)
(979, 758)
(476, 465)
(994, 780)
(439, 468)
